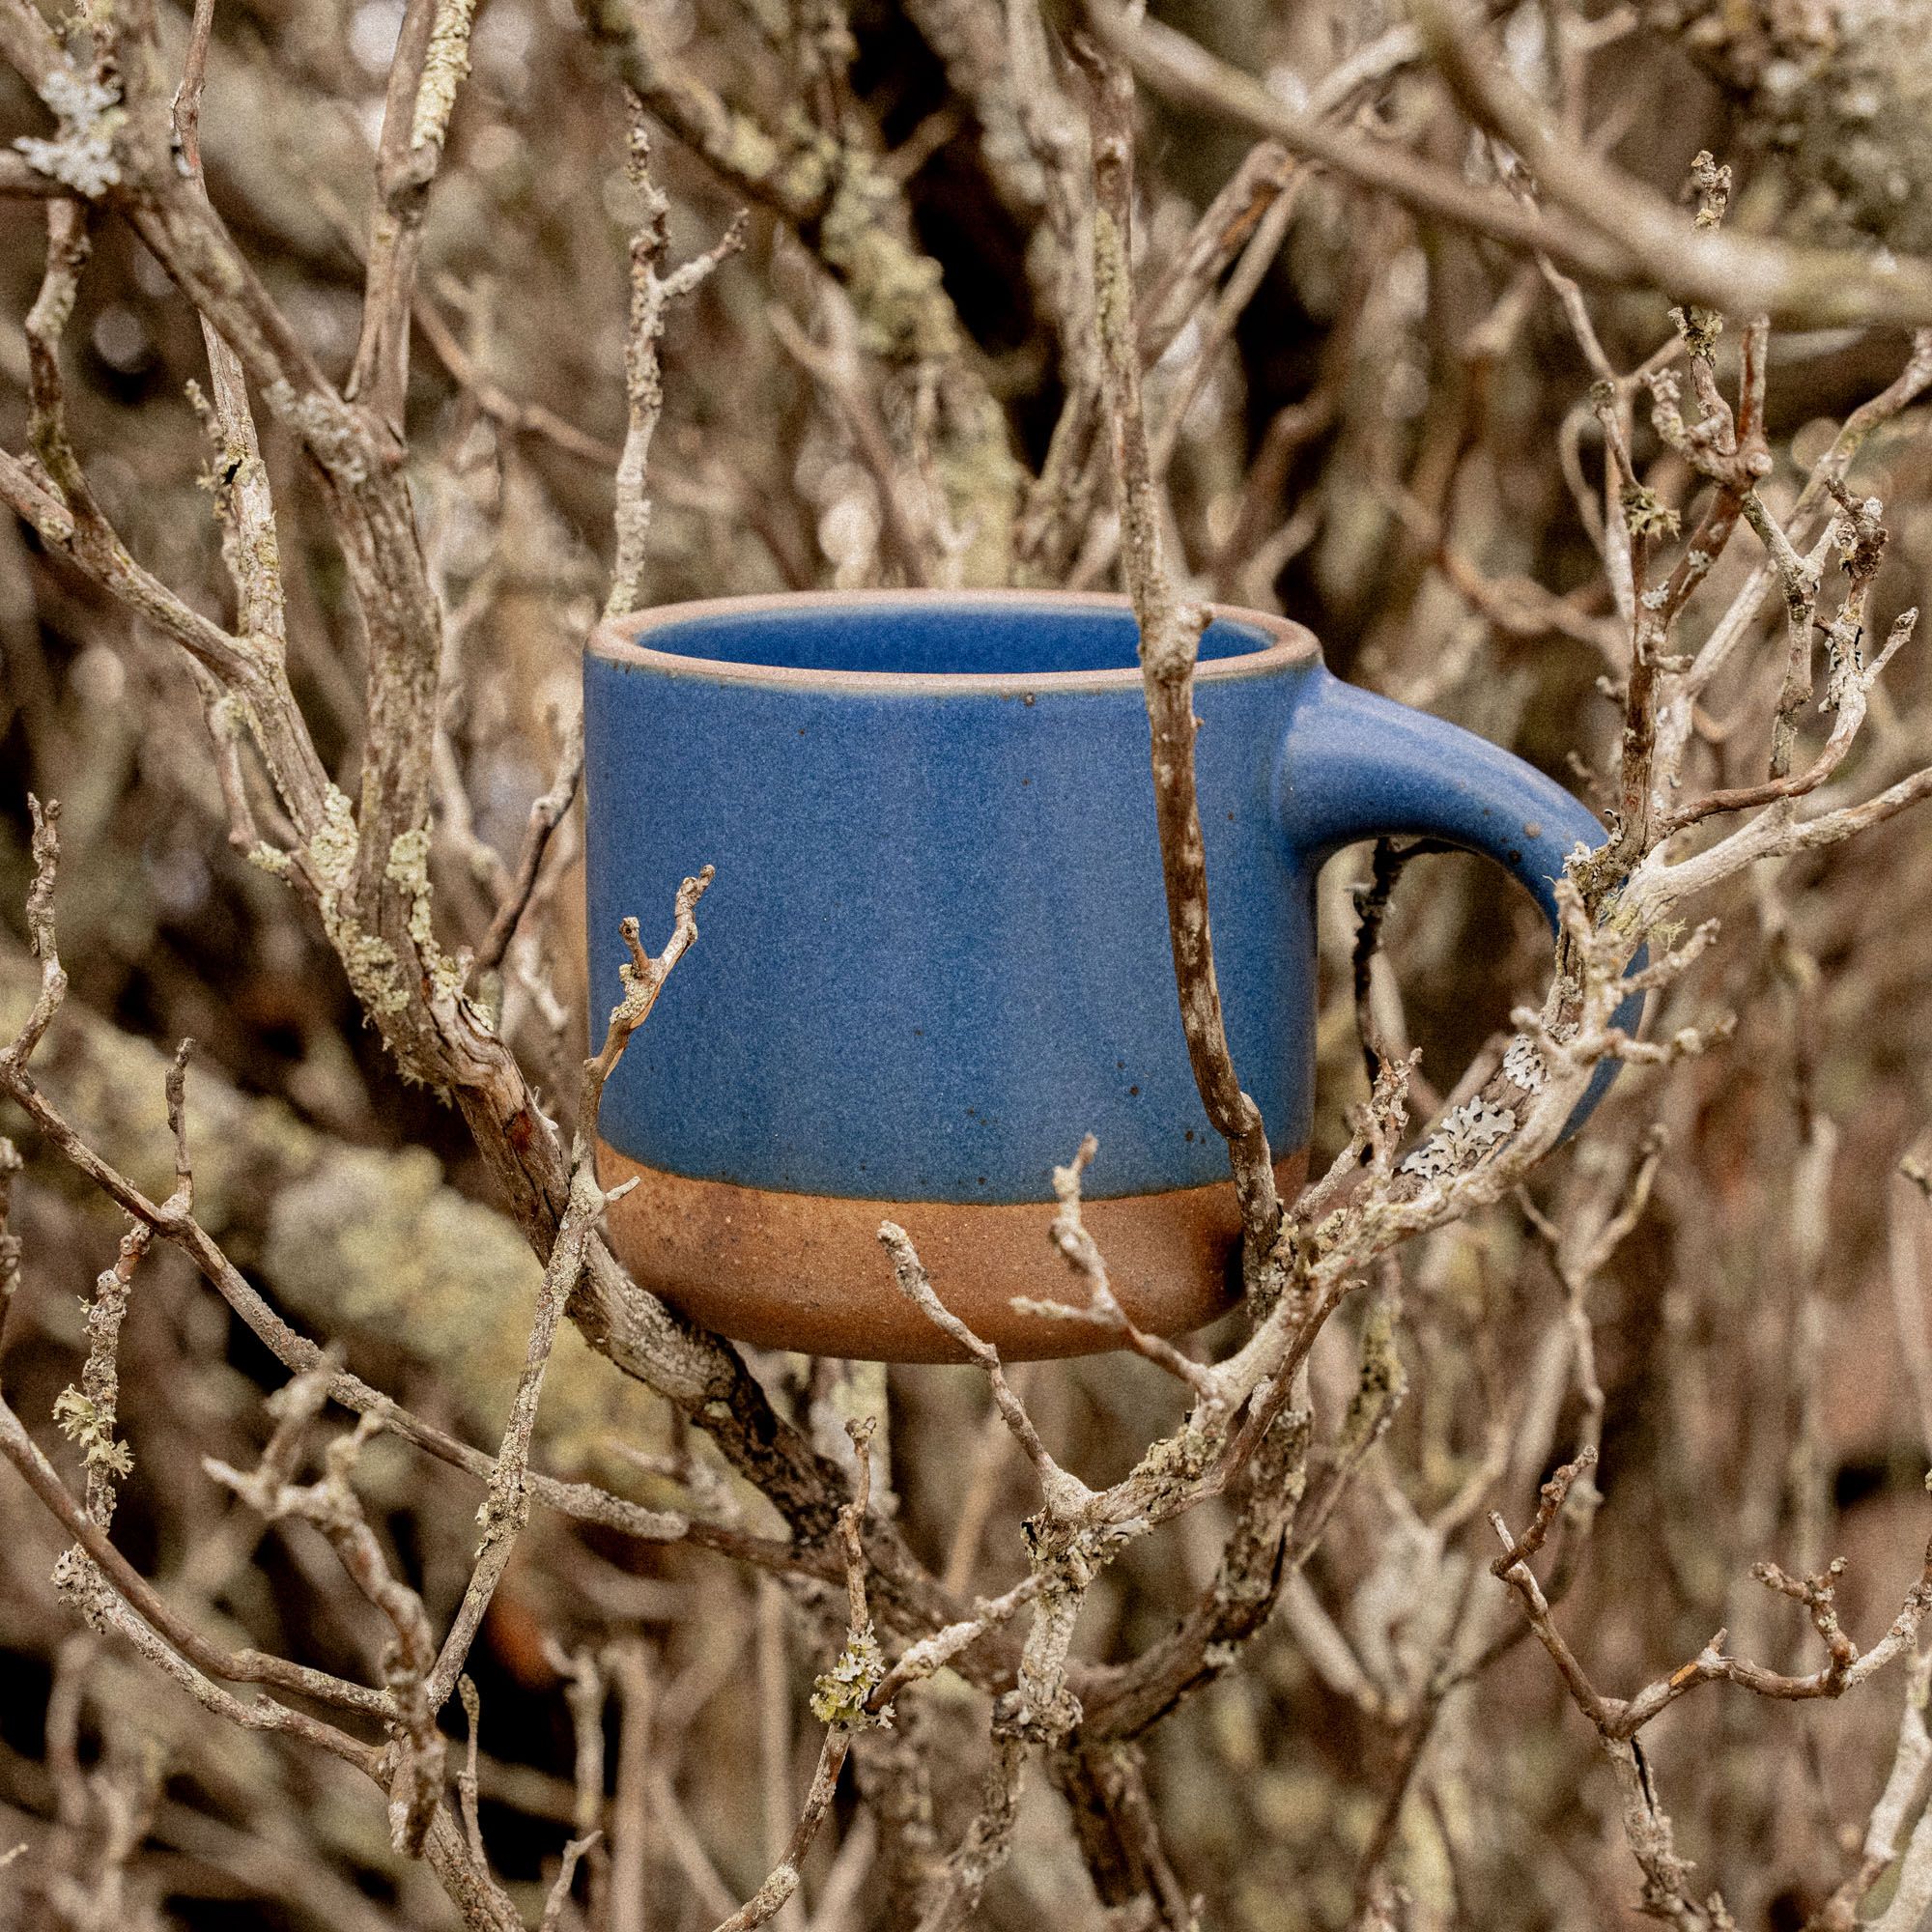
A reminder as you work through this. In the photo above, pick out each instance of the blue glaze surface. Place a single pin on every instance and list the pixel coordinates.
(943, 639)
(935, 952)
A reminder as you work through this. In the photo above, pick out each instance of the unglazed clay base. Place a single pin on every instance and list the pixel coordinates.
(806, 1272)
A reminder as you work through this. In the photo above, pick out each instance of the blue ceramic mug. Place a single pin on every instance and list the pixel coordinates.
(935, 953)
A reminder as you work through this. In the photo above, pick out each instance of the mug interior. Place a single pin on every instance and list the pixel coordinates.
(893, 638)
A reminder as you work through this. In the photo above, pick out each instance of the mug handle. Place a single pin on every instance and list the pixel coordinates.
(1352, 765)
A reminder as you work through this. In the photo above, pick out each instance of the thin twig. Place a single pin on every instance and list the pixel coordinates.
(1065, 1495)
(1082, 1254)
(545, 814)
(652, 292)
(242, 1666)
(1169, 636)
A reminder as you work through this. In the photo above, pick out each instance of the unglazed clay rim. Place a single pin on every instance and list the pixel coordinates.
(617, 639)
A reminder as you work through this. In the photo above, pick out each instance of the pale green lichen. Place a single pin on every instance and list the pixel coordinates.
(378, 1243)
(899, 295)
(746, 152)
(83, 1421)
(982, 480)
(409, 867)
(370, 963)
(839, 1696)
(334, 847)
(351, 1241)
(444, 69)
(1178, 1459)
(1700, 328)
(1380, 1385)
(229, 715)
(81, 156)
(369, 960)
(1645, 515)
(1113, 281)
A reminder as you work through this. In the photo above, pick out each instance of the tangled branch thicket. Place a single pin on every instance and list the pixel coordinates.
(1544, 1542)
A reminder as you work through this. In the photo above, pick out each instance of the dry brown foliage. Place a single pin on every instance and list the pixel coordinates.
(1545, 1543)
